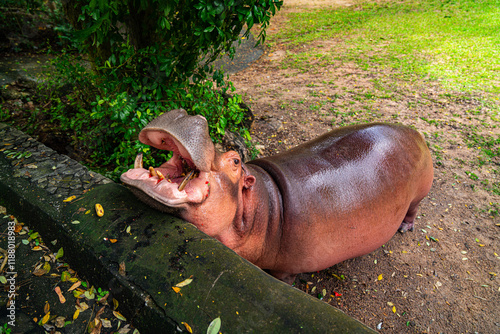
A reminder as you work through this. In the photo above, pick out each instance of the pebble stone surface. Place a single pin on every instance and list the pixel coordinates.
(43, 167)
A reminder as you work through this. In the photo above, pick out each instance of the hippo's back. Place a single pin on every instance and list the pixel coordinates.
(347, 179)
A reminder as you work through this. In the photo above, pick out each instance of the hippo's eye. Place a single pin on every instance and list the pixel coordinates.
(236, 161)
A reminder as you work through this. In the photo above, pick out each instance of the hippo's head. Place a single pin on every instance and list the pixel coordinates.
(186, 178)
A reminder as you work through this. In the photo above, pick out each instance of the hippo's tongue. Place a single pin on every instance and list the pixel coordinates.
(187, 136)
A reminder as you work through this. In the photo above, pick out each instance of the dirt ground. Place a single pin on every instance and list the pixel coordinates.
(440, 278)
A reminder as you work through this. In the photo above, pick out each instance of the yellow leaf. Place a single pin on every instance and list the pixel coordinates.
(113, 240)
(77, 294)
(115, 304)
(76, 314)
(69, 199)
(394, 309)
(176, 289)
(119, 316)
(188, 328)
(184, 283)
(379, 277)
(45, 318)
(99, 210)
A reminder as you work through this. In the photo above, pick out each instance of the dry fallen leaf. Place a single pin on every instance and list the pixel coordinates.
(39, 272)
(82, 306)
(121, 269)
(75, 285)
(46, 308)
(106, 323)
(45, 319)
(69, 199)
(99, 210)
(119, 316)
(188, 328)
(76, 314)
(100, 312)
(97, 328)
(59, 293)
(60, 321)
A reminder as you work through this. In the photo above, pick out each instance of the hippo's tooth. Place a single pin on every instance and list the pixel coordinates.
(152, 172)
(186, 180)
(138, 161)
(160, 175)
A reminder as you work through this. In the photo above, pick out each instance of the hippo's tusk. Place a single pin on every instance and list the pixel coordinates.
(186, 180)
(138, 161)
(152, 172)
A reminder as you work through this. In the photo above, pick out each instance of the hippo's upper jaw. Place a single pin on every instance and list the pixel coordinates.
(185, 177)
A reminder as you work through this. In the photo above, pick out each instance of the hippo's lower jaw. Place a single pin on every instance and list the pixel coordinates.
(169, 189)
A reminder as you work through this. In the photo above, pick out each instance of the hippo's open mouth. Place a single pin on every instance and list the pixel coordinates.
(184, 178)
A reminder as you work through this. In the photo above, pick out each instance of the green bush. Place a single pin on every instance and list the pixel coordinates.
(104, 120)
(141, 58)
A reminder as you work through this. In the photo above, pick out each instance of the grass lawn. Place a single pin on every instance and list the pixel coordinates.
(455, 42)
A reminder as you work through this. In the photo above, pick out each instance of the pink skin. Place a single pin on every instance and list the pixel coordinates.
(339, 196)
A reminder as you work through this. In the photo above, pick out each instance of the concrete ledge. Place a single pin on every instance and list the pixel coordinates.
(157, 250)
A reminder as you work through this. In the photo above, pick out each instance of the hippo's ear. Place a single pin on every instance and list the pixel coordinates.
(248, 181)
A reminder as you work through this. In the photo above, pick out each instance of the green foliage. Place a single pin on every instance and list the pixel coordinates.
(147, 57)
(5, 329)
(105, 120)
(165, 41)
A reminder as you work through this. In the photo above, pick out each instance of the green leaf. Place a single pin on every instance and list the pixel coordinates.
(65, 275)
(60, 253)
(214, 326)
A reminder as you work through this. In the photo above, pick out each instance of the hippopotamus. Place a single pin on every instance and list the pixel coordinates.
(336, 197)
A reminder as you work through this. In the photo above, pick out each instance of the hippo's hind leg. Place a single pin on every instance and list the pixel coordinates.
(409, 220)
